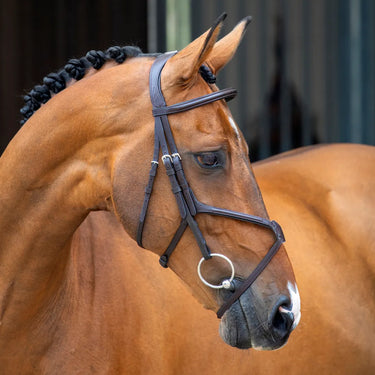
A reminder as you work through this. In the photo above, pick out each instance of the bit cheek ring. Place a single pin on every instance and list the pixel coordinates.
(227, 283)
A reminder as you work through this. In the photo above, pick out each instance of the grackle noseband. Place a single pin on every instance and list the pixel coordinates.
(187, 203)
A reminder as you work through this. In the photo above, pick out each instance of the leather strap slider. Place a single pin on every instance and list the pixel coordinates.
(163, 260)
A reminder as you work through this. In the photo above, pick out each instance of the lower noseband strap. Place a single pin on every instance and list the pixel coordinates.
(250, 280)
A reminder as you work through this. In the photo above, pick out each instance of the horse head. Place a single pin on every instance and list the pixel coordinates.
(216, 171)
(96, 139)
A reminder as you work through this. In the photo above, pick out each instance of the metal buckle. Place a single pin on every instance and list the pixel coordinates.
(170, 157)
(166, 156)
(176, 154)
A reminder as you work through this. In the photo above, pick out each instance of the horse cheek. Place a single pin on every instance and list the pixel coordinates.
(127, 194)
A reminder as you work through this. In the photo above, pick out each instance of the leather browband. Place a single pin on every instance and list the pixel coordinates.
(194, 103)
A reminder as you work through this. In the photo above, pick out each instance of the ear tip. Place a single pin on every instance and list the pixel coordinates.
(247, 20)
(219, 20)
(222, 17)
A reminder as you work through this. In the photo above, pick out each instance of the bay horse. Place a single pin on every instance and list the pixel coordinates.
(77, 294)
(171, 333)
(332, 255)
(319, 191)
(87, 147)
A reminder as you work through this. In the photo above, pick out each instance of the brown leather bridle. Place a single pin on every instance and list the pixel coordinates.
(187, 203)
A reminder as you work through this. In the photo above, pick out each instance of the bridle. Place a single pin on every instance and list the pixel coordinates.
(187, 203)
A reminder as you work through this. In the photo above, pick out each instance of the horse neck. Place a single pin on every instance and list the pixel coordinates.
(54, 172)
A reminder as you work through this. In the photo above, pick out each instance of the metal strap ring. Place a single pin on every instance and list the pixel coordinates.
(226, 283)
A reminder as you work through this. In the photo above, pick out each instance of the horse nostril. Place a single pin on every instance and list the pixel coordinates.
(282, 323)
(282, 319)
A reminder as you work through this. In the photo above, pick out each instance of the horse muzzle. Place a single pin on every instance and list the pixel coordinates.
(255, 321)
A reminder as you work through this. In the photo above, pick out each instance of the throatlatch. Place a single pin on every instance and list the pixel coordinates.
(187, 203)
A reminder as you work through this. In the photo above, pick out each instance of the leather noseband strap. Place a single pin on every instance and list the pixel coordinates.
(187, 203)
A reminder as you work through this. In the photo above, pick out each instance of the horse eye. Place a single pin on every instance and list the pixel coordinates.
(210, 159)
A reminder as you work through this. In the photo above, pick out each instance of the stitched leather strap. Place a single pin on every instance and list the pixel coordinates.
(194, 103)
(164, 141)
(187, 203)
(256, 272)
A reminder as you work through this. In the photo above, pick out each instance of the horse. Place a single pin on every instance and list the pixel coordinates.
(78, 296)
(335, 274)
(88, 136)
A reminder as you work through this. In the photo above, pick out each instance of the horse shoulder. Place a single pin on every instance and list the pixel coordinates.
(121, 311)
(324, 198)
(331, 186)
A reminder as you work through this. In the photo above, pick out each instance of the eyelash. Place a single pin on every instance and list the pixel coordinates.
(210, 159)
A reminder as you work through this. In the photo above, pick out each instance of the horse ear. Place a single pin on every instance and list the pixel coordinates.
(186, 63)
(225, 48)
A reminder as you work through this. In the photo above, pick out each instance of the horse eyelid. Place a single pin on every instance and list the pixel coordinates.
(220, 156)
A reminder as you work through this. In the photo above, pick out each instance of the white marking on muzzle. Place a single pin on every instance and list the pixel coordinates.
(295, 304)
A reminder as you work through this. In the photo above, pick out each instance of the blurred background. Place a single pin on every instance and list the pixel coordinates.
(305, 70)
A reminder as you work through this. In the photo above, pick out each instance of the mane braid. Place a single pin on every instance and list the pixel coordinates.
(206, 74)
(76, 69)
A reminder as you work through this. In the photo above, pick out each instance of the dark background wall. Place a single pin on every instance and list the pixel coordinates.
(305, 70)
(40, 36)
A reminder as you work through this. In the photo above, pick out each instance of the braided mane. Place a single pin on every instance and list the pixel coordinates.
(76, 69)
